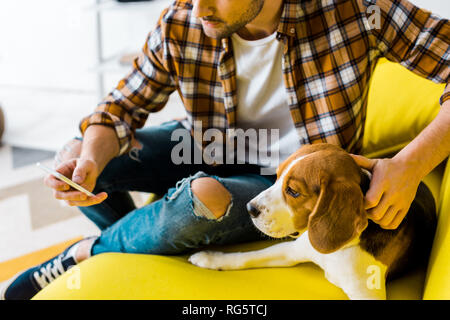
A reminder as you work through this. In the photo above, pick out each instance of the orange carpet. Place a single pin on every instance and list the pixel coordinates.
(11, 267)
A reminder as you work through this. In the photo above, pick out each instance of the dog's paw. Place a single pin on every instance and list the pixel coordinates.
(208, 259)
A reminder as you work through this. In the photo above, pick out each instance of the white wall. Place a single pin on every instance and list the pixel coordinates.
(439, 7)
(48, 51)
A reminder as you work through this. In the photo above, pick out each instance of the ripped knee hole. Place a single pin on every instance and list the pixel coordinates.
(212, 195)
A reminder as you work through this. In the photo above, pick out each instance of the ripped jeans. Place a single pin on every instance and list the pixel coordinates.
(178, 222)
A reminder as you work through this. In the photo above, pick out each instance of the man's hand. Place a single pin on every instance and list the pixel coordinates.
(392, 190)
(82, 162)
(82, 172)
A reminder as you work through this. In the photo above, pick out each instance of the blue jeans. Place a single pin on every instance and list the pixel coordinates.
(177, 222)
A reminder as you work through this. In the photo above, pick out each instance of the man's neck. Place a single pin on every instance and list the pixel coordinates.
(265, 23)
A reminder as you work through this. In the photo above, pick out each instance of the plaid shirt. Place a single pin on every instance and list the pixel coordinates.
(330, 50)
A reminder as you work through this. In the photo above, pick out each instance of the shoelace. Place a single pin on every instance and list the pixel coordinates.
(50, 272)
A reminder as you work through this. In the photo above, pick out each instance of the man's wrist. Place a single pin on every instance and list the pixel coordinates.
(99, 159)
(100, 142)
(415, 168)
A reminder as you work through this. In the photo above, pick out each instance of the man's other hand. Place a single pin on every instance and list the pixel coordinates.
(392, 190)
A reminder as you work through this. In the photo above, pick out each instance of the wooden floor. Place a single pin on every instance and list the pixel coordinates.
(11, 267)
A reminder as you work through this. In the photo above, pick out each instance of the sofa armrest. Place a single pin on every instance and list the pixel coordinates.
(437, 283)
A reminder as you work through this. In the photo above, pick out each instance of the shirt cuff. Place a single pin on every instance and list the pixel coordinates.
(120, 127)
(444, 97)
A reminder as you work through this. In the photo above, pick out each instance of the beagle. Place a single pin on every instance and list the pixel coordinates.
(318, 199)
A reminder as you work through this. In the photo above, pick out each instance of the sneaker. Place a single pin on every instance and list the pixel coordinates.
(27, 284)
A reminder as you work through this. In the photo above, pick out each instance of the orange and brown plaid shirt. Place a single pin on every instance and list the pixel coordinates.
(331, 48)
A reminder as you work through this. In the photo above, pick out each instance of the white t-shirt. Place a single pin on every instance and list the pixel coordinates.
(262, 97)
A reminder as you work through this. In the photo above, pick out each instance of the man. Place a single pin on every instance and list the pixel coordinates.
(301, 67)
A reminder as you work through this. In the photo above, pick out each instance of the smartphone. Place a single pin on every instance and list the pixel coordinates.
(65, 179)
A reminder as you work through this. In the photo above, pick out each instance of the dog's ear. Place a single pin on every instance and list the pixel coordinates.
(338, 215)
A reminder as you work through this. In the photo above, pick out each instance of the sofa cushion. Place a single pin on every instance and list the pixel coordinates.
(400, 105)
(135, 276)
(437, 285)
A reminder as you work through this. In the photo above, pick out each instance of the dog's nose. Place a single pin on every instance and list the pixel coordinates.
(252, 210)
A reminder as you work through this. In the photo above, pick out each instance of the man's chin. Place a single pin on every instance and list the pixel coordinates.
(215, 34)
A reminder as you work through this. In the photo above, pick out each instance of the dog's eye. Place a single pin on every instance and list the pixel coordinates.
(292, 192)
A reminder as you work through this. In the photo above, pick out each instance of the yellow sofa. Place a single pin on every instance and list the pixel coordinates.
(401, 104)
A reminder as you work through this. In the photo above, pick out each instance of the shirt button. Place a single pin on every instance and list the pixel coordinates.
(292, 30)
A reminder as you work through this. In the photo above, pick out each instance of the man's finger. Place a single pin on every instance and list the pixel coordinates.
(373, 196)
(397, 220)
(377, 212)
(70, 195)
(56, 184)
(364, 162)
(388, 217)
(66, 169)
(90, 201)
(79, 174)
